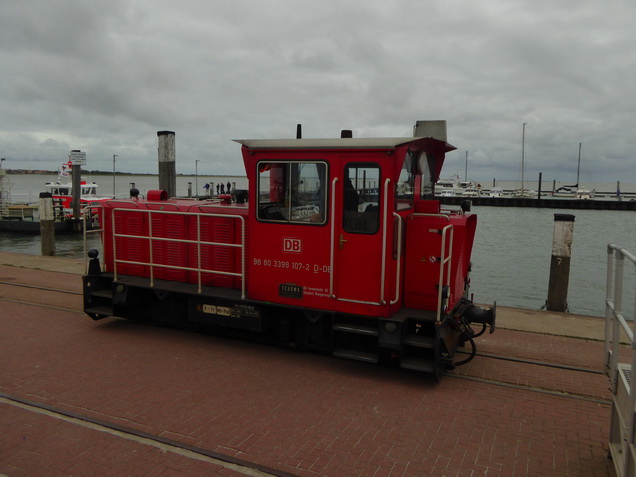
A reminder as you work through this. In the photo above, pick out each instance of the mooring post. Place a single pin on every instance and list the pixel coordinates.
(167, 157)
(47, 227)
(560, 262)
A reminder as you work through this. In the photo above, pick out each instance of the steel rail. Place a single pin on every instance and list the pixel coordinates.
(232, 463)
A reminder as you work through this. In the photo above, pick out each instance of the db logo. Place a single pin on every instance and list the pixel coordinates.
(293, 245)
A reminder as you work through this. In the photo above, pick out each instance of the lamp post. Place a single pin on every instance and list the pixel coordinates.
(196, 178)
(114, 157)
(2, 193)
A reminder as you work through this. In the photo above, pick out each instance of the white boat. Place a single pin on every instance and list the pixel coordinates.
(447, 188)
(496, 192)
(574, 191)
(452, 187)
(524, 193)
(61, 190)
(583, 194)
(471, 192)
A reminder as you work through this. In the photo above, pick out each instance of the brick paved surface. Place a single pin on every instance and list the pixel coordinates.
(299, 413)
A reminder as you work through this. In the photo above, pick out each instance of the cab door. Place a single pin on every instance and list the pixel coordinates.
(358, 234)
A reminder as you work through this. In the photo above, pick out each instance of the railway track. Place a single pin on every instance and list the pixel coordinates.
(44, 297)
(234, 464)
(493, 380)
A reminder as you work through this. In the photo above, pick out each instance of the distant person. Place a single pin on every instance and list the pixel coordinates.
(229, 186)
(222, 189)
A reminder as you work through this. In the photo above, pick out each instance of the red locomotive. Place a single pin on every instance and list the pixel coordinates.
(338, 246)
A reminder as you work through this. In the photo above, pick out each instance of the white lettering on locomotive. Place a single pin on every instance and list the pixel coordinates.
(292, 245)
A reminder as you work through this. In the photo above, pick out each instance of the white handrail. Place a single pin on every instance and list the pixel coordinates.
(333, 237)
(385, 214)
(617, 323)
(398, 274)
(85, 217)
(444, 260)
(198, 242)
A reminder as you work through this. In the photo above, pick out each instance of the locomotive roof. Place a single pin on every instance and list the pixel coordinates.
(336, 143)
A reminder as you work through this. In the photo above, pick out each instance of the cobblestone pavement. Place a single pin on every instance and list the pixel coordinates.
(118, 398)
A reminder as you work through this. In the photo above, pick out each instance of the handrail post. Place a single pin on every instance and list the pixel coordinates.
(442, 265)
(199, 284)
(618, 299)
(150, 252)
(112, 217)
(242, 258)
(333, 237)
(609, 297)
(385, 213)
(398, 267)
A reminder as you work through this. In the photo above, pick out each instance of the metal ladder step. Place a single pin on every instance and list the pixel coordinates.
(418, 364)
(356, 355)
(355, 329)
(104, 293)
(100, 310)
(420, 341)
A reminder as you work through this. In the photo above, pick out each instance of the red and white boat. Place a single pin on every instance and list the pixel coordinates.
(62, 189)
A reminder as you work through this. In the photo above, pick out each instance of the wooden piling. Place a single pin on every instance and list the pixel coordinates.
(47, 224)
(560, 262)
(167, 158)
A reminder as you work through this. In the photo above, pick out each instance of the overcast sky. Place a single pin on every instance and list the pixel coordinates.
(104, 77)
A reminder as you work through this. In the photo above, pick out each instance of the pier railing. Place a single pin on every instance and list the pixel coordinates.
(619, 327)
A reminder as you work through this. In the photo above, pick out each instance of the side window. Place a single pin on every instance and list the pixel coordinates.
(427, 167)
(406, 183)
(292, 192)
(361, 198)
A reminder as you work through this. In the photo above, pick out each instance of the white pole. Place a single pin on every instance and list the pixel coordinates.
(114, 157)
(196, 177)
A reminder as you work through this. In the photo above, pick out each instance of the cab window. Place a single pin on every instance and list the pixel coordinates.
(404, 194)
(361, 198)
(427, 167)
(292, 192)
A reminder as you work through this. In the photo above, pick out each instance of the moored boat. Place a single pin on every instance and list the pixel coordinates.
(62, 190)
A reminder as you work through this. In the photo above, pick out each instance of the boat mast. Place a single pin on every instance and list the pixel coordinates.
(578, 167)
(466, 170)
(523, 146)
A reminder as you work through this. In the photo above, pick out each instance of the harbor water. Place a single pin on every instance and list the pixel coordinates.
(511, 255)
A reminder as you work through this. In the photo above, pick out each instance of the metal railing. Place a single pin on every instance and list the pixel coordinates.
(152, 240)
(198, 243)
(619, 326)
(88, 214)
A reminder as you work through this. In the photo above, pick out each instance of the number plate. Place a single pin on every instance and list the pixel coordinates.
(290, 291)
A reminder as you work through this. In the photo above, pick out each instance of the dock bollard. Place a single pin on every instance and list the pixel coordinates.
(560, 263)
(47, 224)
(167, 162)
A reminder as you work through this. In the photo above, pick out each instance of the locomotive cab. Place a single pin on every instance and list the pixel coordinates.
(343, 249)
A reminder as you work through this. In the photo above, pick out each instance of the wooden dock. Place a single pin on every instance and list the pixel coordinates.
(544, 202)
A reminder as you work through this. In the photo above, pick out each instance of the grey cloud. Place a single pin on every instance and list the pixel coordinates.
(80, 75)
